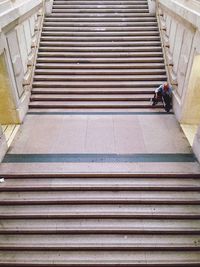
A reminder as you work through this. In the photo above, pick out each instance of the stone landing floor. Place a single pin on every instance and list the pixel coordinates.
(71, 142)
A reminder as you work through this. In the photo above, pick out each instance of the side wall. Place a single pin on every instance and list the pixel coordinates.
(20, 27)
(180, 31)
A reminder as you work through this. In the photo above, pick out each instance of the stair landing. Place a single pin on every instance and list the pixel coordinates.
(92, 142)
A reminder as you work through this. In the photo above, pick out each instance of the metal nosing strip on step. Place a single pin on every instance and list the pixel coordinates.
(97, 158)
(100, 113)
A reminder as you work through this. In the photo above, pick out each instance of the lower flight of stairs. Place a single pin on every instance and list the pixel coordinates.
(98, 54)
(100, 220)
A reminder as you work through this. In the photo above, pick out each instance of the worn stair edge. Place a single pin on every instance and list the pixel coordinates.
(101, 175)
(95, 201)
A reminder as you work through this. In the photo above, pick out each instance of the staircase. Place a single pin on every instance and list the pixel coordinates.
(102, 56)
(98, 55)
(100, 220)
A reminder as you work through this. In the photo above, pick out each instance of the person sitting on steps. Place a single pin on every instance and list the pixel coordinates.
(163, 94)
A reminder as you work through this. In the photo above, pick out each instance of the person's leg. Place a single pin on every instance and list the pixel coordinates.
(154, 100)
(167, 102)
(157, 98)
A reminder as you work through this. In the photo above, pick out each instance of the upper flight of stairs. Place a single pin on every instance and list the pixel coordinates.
(98, 54)
(88, 220)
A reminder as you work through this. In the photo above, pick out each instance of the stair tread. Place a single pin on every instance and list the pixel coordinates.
(104, 66)
(62, 97)
(79, 201)
(100, 38)
(92, 5)
(148, 84)
(98, 91)
(92, 258)
(101, 49)
(93, 104)
(100, 54)
(95, 2)
(93, 241)
(57, 18)
(117, 27)
(141, 226)
(97, 33)
(93, 14)
(106, 195)
(101, 210)
(81, 60)
(87, 43)
(104, 184)
(66, 23)
(93, 71)
(107, 77)
(99, 10)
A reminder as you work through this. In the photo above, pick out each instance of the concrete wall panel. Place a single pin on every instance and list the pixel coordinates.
(177, 48)
(23, 46)
(27, 32)
(15, 56)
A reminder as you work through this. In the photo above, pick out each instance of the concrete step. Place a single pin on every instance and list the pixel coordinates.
(101, 184)
(67, 98)
(99, 197)
(100, 72)
(101, 49)
(84, 11)
(99, 258)
(103, 14)
(105, 43)
(98, 7)
(99, 54)
(108, 28)
(136, 19)
(103, 242)
(110, 211)
(132, 15)
(93, 77)
(99, 38)
(101, 66)
(100, 84)
(99, 32)
(81, 60)
(97, 2)
(89, 91)
(100, 226)
(62, 23)
(93, 104)
(97, 111)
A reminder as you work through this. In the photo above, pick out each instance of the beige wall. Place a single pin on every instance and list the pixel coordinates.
(20, 27)
(3, 144)
(18, 21)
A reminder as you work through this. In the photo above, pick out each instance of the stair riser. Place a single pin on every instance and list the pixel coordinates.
(97, 44)
(106, 67)
(60, 19)
(94, 6)
(94, 202)
(101, 248)
(121, 55)
(99, 72)
(99, 188)
(59, 23)
(98, 11)
(102, 216)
